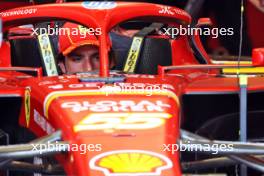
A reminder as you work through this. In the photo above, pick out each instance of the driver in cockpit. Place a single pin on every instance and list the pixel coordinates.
(78, 53)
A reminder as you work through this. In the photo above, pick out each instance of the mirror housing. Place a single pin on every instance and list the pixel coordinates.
(258, 57)
(204, 22)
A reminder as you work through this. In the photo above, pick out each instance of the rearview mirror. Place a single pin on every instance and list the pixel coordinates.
(258, 57)
(204, 22)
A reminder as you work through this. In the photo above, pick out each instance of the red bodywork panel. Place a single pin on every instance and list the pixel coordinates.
(125, 124)
(10, 5)
(126, 119)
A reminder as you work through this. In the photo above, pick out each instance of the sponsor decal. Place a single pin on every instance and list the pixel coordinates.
(133, 55)
(171, 11)
(47, 55)
(74, 86)
(19, 12)
(99, 5)
(57, 86)
(130, 163)
(166, 10)
(27, 106)
(42, 123)
(116, 106)
(122, 86)
(55, 94)
(46, 82)
(121, 121)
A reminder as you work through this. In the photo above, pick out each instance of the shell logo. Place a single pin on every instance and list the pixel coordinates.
(130, 163)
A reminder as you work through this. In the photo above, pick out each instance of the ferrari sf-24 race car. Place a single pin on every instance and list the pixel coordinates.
(166, 109)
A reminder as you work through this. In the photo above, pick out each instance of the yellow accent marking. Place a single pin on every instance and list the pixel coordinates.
(236, 62)
(27, 106)
(47, 55)
(231, 62)
(103, 121)
(133, 55)
(255, 70)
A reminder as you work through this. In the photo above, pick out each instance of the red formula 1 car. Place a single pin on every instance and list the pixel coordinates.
(165, 110)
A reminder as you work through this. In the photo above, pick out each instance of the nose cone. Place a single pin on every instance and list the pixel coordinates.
(125, 125)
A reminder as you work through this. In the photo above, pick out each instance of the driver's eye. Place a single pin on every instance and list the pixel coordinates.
(76, 58)
(95, 57)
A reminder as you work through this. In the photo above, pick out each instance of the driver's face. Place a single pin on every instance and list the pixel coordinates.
(82, 59)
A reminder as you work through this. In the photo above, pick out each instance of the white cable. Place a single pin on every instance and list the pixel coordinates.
(241, 34)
